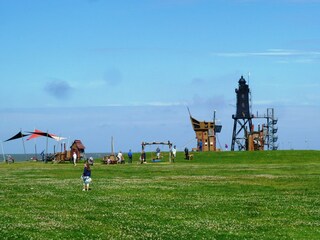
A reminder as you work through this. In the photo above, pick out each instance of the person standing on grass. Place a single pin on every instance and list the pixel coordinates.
(158, 152)
(130, 156)
(186, 153)
(90, 161)
(143, 157)
(120, 157)
(200, 145)
(174, 152)
(86, 177)
(74, 158)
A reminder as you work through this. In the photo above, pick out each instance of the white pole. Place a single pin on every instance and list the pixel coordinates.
(47, 145)
(68, 141)
(170, 151)
(112, 146)
(35, 146)
(250, 94)
(24, 148)
(4, 159)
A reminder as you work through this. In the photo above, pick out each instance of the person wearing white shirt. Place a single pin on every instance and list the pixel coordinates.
(74, 158)
(174, 152)
(120, 157)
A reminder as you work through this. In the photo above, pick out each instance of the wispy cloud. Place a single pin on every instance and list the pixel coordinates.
(59, 89)
(165, 104)
(271, 53)
(147, 104)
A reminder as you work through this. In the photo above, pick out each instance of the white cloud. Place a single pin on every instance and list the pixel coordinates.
(307, 55)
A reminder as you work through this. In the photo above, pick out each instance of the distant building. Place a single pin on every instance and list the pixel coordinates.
(205, 134)
(79, 148)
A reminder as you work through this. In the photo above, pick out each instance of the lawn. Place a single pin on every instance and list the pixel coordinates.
(221, 195)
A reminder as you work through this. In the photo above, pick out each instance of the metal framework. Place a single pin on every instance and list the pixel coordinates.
(270, 130)
(243, 117)
(237, 138)
(243, 133)
(143, 144)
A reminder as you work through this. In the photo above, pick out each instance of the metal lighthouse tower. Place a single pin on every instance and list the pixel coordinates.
(243, 118)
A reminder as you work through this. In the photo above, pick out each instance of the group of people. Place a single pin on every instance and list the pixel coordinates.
(120, 157)
(86, 175)
(173, 153)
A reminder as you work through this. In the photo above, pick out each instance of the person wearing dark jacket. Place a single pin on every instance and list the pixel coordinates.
(86, 177)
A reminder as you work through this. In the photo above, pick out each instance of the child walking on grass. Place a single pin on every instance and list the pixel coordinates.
(86, 177)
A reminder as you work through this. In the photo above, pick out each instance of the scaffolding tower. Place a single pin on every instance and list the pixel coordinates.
(270, 130)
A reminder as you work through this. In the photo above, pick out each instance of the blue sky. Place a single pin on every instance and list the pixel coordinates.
(92, 69)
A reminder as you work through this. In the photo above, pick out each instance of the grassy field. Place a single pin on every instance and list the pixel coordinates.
(222, 195)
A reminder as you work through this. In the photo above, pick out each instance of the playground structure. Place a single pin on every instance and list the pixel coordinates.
(144, 144)
(111, 158)
(65, 155)
(244, 135)
(205, 133)
(9, 159)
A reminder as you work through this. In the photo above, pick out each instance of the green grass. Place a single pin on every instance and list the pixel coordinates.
(222, 195)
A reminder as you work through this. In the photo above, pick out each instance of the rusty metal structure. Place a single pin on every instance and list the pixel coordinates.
(243, 118)
(244, 135)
